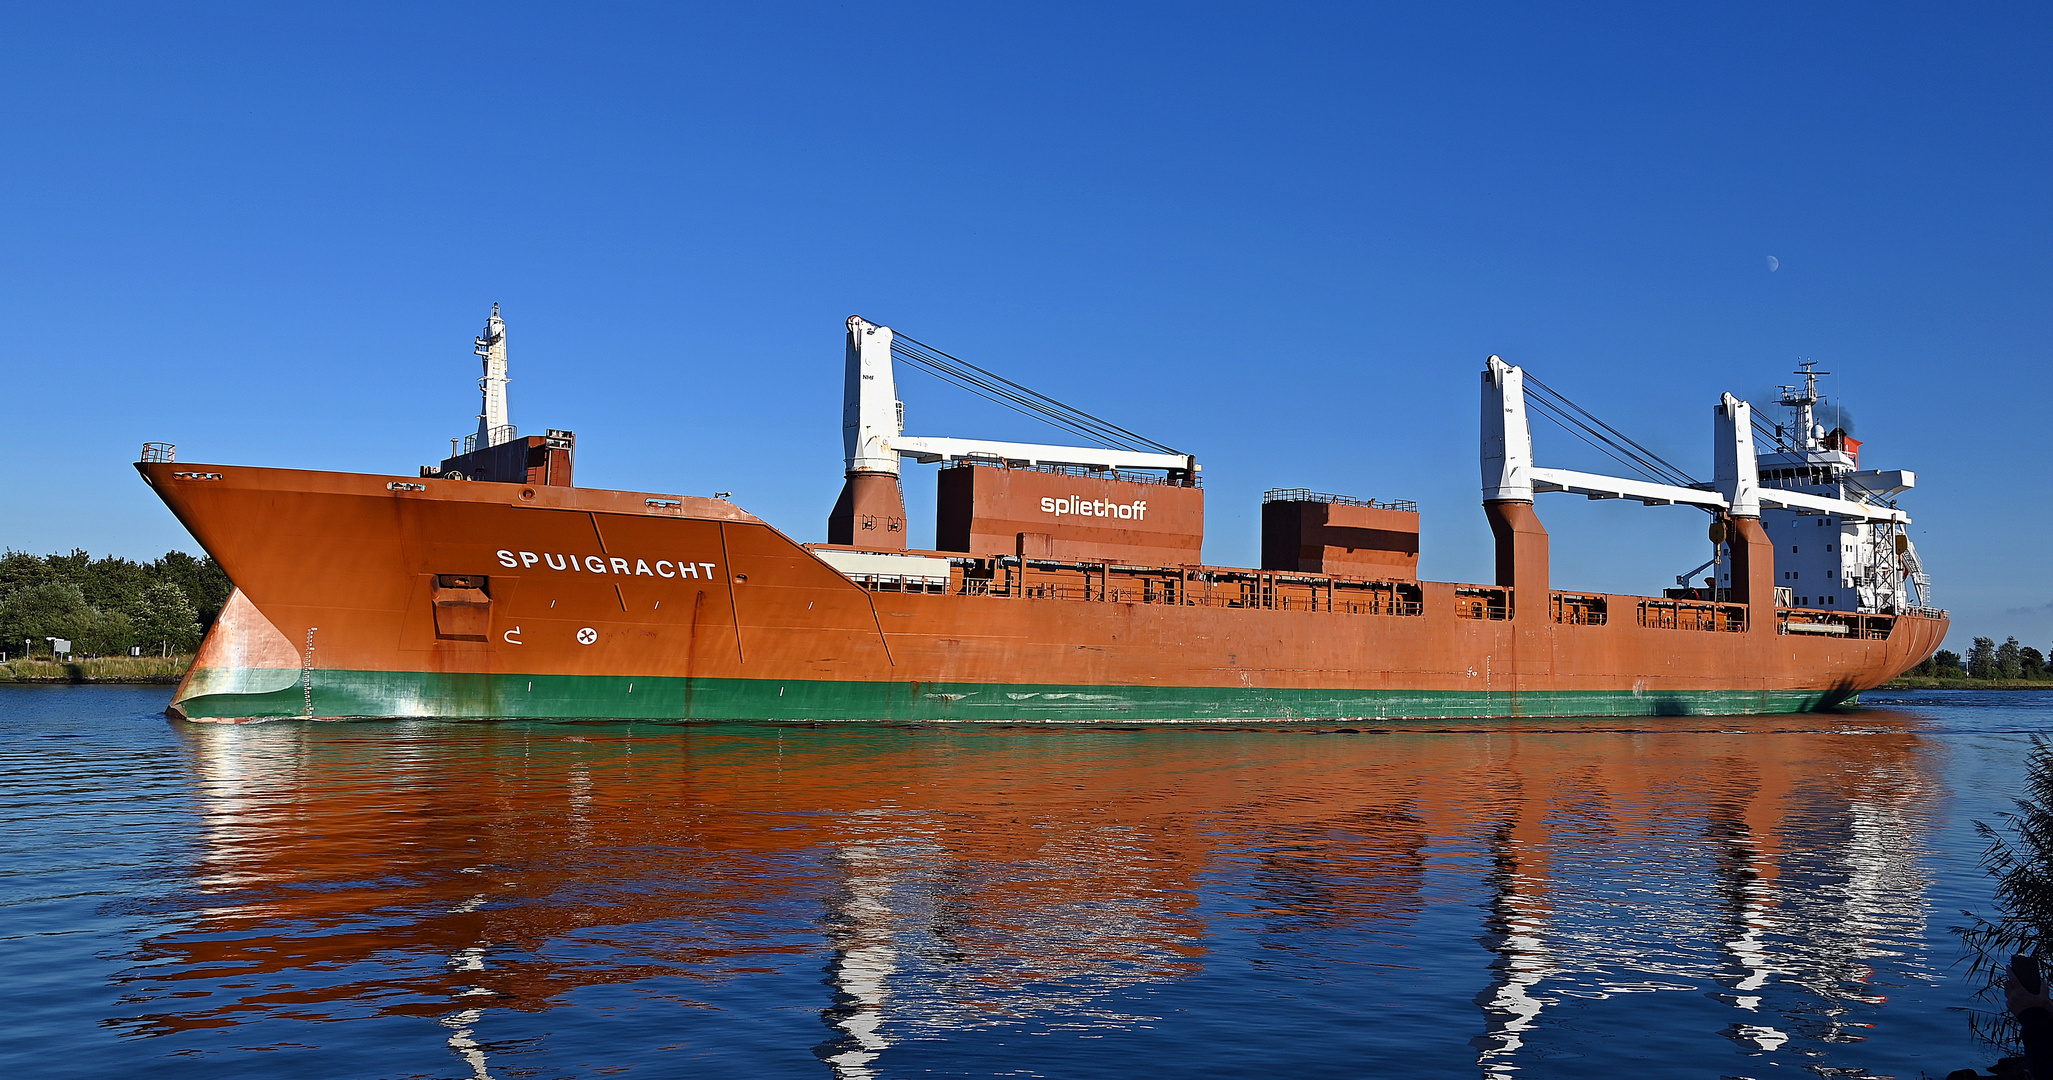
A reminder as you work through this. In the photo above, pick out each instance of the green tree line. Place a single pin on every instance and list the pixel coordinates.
(106, 606)
(1986, 659)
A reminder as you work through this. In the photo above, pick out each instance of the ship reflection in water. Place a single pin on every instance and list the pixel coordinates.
(893, 900)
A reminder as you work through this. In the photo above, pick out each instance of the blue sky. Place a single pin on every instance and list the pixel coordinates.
(1280, 237)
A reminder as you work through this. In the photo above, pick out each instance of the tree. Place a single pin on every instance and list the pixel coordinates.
(104, 633)
(2033, 662)
(19, 570)
(165, 618)
(51, 609)
(70, 567)
(206, 585)
(2009, 664)
(118, 599)
(1946, 664)
(111, 583)
(1981, 659)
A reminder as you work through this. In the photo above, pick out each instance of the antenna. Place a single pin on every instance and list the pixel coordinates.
(1804, 401)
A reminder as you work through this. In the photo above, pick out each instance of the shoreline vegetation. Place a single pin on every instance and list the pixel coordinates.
(2019, 850)
(1913, 682)
(1987, 666)
(100, 669)
(97, 620)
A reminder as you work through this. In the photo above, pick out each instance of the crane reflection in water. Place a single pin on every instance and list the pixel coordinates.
(927, 891)
(1746, 869)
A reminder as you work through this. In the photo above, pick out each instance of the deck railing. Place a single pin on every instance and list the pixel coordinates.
(504, 433)
(1692, 615)
(1580, 609)
(1835, 624)
(1251, 589)
(1175, 477)
(1478, 602)
(1286, 591)
(1308, 495)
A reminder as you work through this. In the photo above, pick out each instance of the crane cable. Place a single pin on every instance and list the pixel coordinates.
(1581, 422)
(1027, 402)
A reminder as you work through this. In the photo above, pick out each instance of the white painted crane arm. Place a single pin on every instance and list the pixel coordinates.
(930, 450)
(1825, 504)
(1615, 487)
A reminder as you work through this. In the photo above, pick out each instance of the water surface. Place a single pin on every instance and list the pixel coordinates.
(1711, 897)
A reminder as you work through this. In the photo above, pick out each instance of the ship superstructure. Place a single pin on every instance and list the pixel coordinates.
(1065, 582)
(1833, 561)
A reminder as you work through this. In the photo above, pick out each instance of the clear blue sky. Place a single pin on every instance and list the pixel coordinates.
(1281, 237)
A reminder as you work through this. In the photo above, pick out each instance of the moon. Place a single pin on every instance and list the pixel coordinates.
(1774, 264)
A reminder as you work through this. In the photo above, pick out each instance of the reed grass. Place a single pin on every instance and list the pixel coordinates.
(111, 669)
(2019, 856)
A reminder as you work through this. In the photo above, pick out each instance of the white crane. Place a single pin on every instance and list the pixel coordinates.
(1509, 473)
(873, 423)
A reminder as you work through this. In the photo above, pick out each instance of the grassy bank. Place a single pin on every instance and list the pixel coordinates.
(1913, 682)
(106, 669)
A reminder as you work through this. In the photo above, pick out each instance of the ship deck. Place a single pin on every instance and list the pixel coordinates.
(1244, 588)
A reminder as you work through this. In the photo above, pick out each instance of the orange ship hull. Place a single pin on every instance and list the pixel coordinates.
(364, 595)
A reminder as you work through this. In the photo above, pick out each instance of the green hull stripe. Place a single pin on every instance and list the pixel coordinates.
(397, 694)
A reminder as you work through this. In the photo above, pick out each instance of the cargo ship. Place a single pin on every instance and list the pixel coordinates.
(1066, 583)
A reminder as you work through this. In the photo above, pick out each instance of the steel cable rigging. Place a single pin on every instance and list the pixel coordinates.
(997, 388)
(1770, 432)
(1584, 425)
(1553, 405)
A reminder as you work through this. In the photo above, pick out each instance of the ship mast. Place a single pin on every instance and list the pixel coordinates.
(493, 426)
(1805, 402)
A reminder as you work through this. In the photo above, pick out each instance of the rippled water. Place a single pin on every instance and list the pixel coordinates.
(1688, 897)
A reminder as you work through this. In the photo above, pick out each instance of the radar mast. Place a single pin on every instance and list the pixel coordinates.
(1804, 400)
